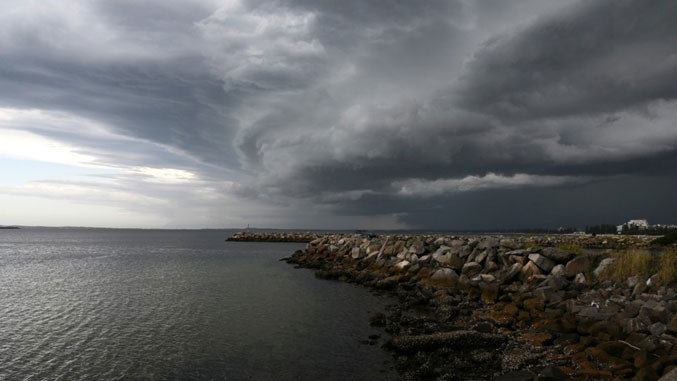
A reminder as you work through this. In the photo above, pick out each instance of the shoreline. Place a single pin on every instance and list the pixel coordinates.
(507, 308)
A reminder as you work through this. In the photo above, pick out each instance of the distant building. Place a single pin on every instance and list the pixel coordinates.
(637, 224)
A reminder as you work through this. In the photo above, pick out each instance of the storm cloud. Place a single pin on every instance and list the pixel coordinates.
(386, 114)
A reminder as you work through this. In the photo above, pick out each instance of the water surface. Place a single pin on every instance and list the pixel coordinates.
(161, 304)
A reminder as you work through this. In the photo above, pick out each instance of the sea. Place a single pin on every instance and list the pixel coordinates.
(117, 304)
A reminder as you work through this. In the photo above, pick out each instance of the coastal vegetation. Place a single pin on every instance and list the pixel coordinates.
(668, 239)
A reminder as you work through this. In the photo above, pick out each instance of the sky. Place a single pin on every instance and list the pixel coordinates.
(319, 114)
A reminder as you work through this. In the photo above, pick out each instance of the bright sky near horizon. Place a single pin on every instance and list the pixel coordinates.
(448, 114)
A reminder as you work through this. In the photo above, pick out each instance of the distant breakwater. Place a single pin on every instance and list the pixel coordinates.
(496, 307)
(302, 237)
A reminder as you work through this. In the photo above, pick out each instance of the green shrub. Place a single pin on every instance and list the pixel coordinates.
(665, 240)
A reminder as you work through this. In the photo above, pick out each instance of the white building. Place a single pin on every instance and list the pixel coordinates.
(639, 224)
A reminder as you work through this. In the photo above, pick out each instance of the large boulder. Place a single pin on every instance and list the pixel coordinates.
(542, 262)
(557, 255)
(606, 262)
(579, 264)
(449, 259)
(445, 275)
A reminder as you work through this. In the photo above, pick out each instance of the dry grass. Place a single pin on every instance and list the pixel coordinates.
(627, 264)
(532, 245)
(642, 263)
(571, 247)
(667, 267)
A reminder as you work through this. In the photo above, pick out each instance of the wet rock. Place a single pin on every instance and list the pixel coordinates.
(542, 262)
(646, 374)
(550, 373)
(378, 319)
(455, 339)
(519, 375)
(490, 293)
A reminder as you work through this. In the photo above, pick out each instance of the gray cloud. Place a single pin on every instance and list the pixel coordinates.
(379, 108)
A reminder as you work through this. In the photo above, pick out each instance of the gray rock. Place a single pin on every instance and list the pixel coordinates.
(606, 262)
(510, 273)
(657, 329)
(557, 255)
(558, 270)
(417, 248)
(633, 281)
(578, 264)
(402, 265)
(488, 243)
(457, 243)
(556, 282)
(490, 266)
(542, 262)
(414, 268)
(445, 274)
(593, 313)
(449, 260)
(355, 253)
(481, 256)
(580, 279)
(471, 269)
(517, 252)
(638, 324)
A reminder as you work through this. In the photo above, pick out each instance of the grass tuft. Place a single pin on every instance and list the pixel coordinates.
(627, 264)
(644, 264)
(667, 267)
(532, 245)
(571, 247)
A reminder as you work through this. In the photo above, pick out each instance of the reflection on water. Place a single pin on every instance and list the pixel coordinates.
(98, 303)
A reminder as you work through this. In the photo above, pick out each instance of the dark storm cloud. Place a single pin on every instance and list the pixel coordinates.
(563, 94)
(369, 108)
(595, 57)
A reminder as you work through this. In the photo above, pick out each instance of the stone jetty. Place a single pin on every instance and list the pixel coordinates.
(273, 237)
(507, 307)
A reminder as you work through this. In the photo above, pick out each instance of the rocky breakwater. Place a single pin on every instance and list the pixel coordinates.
(273, 237)
(498, 308)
